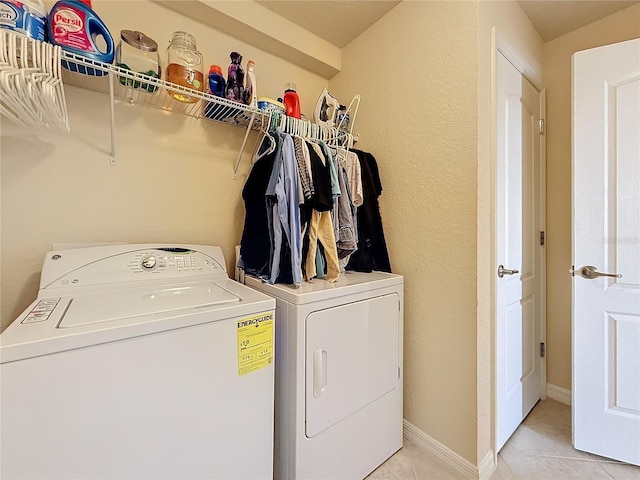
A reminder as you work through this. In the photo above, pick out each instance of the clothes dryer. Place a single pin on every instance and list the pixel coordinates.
(138, 361)
(338, 375)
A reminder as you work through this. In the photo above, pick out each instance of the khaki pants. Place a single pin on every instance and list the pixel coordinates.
(321, 228)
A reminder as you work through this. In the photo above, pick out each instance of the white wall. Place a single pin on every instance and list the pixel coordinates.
(173, 181)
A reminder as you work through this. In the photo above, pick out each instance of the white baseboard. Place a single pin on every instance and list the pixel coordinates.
(559, 394)
(482, 472)
(487, 466)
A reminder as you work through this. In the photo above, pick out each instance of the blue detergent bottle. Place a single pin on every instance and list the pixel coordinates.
(77, 29)
(217, 84)
(25, 16)
(217, 87)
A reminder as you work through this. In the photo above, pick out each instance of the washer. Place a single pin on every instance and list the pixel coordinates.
(139, 361)
(338, 375)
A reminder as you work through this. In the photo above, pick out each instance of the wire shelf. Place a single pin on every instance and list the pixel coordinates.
(137, 88)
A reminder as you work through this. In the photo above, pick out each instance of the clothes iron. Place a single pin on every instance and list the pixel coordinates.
(326, 109)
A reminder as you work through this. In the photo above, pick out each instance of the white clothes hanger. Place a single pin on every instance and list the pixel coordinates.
(31, 89)
(266, 134)
(352, 120)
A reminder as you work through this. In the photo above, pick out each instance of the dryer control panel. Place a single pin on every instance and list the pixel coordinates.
(123, 263)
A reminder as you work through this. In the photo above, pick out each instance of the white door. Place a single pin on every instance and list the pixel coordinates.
(606, 236)
(518, 249)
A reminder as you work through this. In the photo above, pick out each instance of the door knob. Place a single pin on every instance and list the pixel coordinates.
(503, 271)
(592, 273)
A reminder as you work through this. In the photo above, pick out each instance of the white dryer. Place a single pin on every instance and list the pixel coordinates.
(338, 375)
(138, 361)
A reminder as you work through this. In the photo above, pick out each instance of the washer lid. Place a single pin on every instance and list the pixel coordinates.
(97, 307)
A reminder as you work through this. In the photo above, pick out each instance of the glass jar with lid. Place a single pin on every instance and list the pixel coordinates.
(184, 66)
(139, 53)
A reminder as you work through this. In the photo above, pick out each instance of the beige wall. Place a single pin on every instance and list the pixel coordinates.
(173, 181)
(620, 26)
(416, 70)
(419, 77)
(514, 26)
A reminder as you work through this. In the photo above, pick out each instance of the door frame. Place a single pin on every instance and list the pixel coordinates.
(502, 46)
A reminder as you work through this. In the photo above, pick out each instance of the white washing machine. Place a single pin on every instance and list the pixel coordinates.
(338, 375)
(138, 361)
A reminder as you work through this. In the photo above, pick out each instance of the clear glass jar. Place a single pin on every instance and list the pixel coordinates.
(184, 66)
(138, 53)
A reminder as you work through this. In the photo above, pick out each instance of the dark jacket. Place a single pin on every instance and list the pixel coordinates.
(372, 248)
(255, 244)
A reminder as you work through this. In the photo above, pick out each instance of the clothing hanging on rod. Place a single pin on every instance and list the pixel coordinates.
(283, 213)
(255, 244)
(304, 168)
(288, 213)
(317, 212)
(344, 217)
(372, 247)
(349, 161)
(314, 205)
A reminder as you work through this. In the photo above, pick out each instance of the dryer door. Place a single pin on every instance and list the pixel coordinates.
(352, 358)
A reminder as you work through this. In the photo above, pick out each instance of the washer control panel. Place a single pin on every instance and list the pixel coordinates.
(67, 268)
(172, 260)
(149, 262)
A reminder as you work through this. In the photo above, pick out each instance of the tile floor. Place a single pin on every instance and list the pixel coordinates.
(540, 449)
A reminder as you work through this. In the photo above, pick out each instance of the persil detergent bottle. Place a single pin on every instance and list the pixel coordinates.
(77, 29)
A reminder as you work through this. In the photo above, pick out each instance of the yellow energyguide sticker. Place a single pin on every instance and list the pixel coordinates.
(255, 342)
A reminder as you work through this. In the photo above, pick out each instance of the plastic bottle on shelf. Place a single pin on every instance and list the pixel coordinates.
(26, 16)
(77, 29)
(217, 87)
(235, 78)
(184, 66)
(250, 91)
(291, 101)
(343, 118)
(216, 81)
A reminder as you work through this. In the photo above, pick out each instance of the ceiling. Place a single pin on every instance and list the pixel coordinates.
(553, 19)
(340, 21)
(336, 21)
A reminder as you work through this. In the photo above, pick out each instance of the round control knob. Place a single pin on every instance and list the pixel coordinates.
(148, 262)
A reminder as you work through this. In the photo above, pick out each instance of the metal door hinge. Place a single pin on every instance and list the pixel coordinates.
(543, 350)
(541, 126)
(541, 238)
(398, 372)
